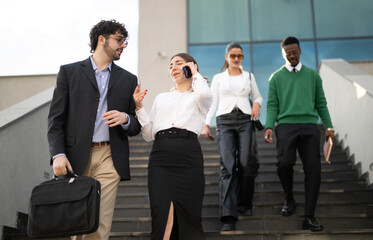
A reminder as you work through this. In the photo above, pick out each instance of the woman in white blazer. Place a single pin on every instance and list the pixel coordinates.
(231, 90)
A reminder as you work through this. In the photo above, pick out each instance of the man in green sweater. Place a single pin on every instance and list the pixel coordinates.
(295, 101)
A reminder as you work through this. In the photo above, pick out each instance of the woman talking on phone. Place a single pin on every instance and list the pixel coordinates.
(235, 118)
(175, 175)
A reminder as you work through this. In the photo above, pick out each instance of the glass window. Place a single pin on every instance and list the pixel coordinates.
(343, 18)
(217, 21)
(267, 58)
(275, 19)
(350, 50)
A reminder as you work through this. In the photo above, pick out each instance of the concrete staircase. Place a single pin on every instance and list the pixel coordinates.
(345, 205)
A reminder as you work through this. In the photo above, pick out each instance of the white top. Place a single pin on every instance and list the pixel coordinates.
(236, 83)
(186, 110)
(227, 99)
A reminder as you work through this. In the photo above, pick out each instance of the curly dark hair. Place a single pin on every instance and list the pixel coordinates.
(289, 40)
(105, 28)
(187, 58)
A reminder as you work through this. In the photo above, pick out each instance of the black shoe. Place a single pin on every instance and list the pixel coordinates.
(245, 211)
(288, 208)
(312, 224)
(228, 227)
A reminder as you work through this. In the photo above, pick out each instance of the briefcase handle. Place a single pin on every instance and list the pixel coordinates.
(70, 174)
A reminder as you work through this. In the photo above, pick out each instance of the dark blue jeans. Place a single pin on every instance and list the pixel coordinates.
(238, 163)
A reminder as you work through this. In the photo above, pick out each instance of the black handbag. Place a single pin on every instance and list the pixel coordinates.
(65, 206)
(258, 125)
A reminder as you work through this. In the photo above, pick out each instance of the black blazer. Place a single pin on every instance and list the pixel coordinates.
(73, 111)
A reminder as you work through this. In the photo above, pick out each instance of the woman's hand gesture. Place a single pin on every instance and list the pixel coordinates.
(138, 97)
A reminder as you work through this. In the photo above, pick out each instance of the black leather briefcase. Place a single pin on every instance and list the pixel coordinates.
(65, 206)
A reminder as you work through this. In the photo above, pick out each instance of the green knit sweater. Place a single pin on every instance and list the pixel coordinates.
(296, 97)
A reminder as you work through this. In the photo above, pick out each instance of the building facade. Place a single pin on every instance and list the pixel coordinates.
(326, 29)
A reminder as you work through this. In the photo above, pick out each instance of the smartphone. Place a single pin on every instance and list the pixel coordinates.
(187, 72)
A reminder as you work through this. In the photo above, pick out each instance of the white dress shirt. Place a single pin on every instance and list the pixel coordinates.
(290, 68)
(224, 99)
(185, 110)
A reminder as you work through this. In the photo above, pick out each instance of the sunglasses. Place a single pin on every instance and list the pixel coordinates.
(234, 56)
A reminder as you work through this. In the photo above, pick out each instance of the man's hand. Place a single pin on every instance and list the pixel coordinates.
(60, 164)
(114, 118)
(268, 135)
(329, 134)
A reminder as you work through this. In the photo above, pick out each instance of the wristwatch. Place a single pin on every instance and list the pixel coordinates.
(330, 129)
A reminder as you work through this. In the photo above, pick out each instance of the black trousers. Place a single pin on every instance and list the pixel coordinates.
(306, 139)
(238, 163)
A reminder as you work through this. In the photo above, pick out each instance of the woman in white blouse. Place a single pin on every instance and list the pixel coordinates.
(175, 175)
(231, 90)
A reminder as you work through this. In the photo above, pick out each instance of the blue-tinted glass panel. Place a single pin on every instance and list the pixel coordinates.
(210, 59)
(267, 58)
(276, 19)
(350, 50)
(343, 18)
(218, 21)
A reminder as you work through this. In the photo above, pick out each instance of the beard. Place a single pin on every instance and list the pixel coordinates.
(110, 52)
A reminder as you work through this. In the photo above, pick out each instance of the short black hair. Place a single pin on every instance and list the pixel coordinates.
(289, 40)
(105, 28)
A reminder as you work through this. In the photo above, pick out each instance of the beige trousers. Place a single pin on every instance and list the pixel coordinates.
(101, 167)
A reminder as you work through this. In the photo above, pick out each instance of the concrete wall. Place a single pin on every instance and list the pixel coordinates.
(162, 34)
(14, 89)
(349, 92)
(366, 66)
(24, 156)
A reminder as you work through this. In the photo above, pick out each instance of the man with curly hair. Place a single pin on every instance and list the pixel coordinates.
(91, 115)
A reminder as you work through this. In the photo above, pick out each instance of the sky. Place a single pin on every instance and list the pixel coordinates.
(38, 36)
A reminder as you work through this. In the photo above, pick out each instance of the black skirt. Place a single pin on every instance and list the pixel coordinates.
(175, 174)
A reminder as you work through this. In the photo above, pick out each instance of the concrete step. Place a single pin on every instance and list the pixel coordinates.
(345, 205)
(343, 177)
(257, 223)
(213, 185)
(259, 209)
(265, 196)
(215, 166)
(349, 234)
(269, 160)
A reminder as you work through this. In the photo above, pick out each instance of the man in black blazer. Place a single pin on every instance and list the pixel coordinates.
(91, 115)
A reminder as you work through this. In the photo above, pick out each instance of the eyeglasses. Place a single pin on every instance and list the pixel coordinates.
(120, 40)
(288, 54)
(234, 56)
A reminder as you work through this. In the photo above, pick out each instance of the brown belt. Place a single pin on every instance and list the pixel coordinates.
(99, 144)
